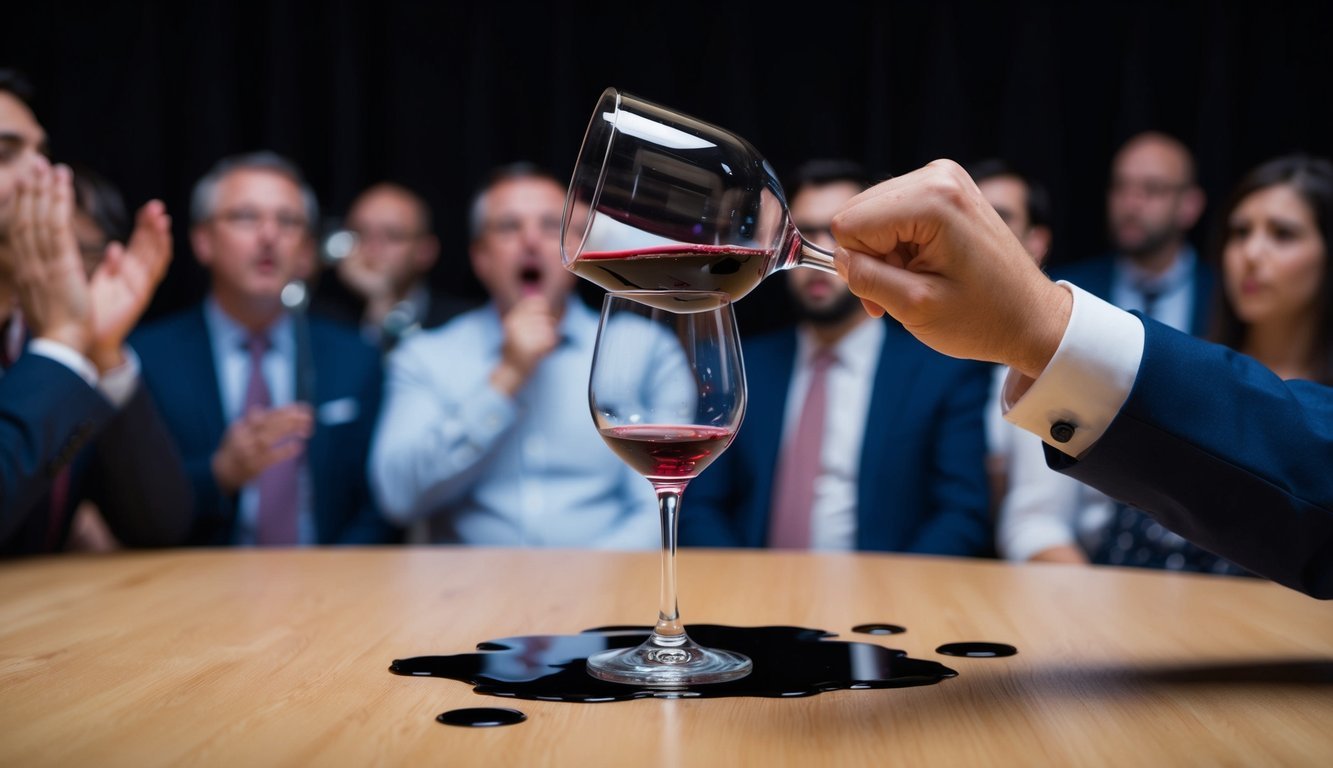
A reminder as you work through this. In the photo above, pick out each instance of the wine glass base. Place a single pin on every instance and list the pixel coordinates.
(652, 665)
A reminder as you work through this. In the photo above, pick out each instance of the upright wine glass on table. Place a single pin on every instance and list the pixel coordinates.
(667, 393)
(663, 201)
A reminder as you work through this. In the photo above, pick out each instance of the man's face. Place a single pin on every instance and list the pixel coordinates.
(820, 297)
(22, 140)
(1149, 203)
(517, 252)
(1008, 195)
(392, 241)
(257, 239)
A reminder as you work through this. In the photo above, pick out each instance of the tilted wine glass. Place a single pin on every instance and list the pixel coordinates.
(667, 393)
(660, 201)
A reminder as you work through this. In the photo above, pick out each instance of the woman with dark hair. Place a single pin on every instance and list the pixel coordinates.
(1276, 302)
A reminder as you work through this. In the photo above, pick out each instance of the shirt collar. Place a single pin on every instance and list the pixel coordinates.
(855, 351)
(228, 334)
(1177, 275)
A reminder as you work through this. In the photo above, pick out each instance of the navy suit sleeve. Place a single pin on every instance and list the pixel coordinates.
(1223, 452)
(137, 477)
(959, 495)
(47, 414)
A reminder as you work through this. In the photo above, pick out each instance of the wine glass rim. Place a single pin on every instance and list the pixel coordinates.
(636, 295)
(615, 95)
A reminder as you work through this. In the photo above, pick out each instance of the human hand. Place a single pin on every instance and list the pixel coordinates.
(927, 248)
(258, 440)
(123, 283)
(530, 333)
(47, 266)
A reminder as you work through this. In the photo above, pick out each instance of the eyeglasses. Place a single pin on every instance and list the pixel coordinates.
(250, 220)
(386, 236)
(508, 227)
(1148, 188)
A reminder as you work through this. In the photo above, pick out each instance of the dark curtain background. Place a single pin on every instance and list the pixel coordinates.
(434, 94)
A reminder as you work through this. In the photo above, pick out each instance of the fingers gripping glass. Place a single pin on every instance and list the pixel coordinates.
(662, 201)
(667, 393)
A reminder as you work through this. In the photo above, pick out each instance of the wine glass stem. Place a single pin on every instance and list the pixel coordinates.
(814, 257)
(668, 630)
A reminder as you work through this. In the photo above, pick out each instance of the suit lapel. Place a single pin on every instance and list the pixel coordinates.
(896, 375)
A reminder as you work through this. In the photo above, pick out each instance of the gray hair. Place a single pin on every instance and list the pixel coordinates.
(204, 198)
(510, 172)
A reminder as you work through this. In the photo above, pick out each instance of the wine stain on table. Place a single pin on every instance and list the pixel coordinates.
(788, 662)
(977, 650)
(482, 717)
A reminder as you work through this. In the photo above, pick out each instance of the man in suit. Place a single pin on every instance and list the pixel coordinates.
(382, 284)
(1152, 204)
(1208, 441)
(75, 422)
(899, 464)
(273, 411)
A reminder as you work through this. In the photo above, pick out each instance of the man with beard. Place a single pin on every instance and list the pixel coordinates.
(1152, 204)
(856, 436)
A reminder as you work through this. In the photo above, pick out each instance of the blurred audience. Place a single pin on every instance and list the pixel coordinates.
(486, 434)
(75, 422)
(1152, 205)
(273, 411)
(803, 475)
(382, 283)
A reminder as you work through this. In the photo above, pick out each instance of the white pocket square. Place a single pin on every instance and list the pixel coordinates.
(339, 411)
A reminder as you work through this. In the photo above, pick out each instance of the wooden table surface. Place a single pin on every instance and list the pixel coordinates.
(246, 658)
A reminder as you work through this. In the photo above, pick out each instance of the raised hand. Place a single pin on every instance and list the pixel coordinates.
(123, 284)
(927, 248)
(48, 269)
(531, 331)
(258, 440)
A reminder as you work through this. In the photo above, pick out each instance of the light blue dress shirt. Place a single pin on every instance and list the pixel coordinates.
(484, 469)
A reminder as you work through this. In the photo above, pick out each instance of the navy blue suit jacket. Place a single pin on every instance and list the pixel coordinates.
(922, 485)
(121, 459)
(1225, 453)
(1095, 275)
(179, 370)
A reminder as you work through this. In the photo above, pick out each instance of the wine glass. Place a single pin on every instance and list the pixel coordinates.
(660, 200)
(667, 393)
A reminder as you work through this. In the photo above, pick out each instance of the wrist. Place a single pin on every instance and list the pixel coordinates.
(107, 357)
(71, 335)
(1047, 319)
(507, 379)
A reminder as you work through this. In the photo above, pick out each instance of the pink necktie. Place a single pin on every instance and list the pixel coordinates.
(794, 485)
(276, 520)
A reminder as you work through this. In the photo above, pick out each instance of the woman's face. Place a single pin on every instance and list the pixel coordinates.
(1275, 258)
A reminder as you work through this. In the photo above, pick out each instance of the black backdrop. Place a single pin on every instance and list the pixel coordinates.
(434, 94)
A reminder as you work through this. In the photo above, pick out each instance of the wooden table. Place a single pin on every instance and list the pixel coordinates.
(247, 658)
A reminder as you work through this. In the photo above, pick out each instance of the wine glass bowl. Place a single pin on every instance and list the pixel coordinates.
(667, 393)
(660, 200)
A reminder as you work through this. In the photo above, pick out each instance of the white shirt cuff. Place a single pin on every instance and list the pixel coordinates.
(66, 356)
(117, 384)
(1087, 381)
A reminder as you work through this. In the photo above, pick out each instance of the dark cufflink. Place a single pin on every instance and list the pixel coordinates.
(1062, 431)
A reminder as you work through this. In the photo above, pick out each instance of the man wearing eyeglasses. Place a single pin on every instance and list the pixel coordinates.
(1152, 204)
(486, 437)
(382, 284)
(272, 411)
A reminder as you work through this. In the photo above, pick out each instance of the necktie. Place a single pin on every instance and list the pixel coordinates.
(276, 519)
(1133, 538)
(1150, 297)
(794, 486)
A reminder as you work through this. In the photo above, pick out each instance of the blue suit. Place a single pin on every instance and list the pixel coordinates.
(1225, 453)
(1096, 276)
(922, 484)
(179, 369)
(121, 459)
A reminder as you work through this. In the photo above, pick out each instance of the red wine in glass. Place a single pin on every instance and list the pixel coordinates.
(667, 393)
(667, 451)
